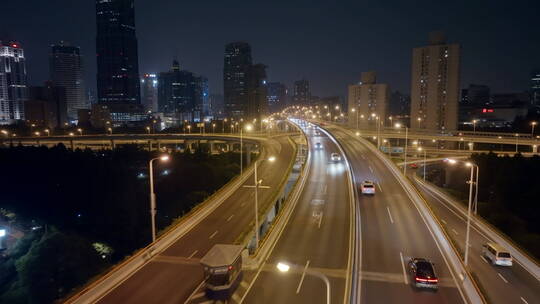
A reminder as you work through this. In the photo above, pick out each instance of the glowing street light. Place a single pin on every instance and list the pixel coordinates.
(80, 131)
(533, 124)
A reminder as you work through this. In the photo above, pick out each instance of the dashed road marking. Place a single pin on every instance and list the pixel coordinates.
(502, 278)
(194, 253)
(302, 278)
(390, 215)
(380, 188)
(454, 231)
(403, 266)
(444, 222)
(213, 235)
(524, 301)
(370, 169)
(230, 217)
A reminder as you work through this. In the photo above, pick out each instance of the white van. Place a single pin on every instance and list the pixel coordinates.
(496, 254)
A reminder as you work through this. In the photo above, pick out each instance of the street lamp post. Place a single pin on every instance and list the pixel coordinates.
(257, 184)
(517, 141)
(532, 128)
(285, 267)
(80, 131)
(424, 150)
(48, 132)
(398, 125)
(248, 128)
(469, 207)
(110, 130)
(153, 195)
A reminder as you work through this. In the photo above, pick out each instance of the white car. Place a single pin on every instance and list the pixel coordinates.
(335, 157)
(318, 146)
(367, 187)
(497, 254)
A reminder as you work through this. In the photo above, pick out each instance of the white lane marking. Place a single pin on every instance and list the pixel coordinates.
(363, 157)
(242, 204)
(302, 278)
(320, 220)
(403, 266)
(483, 259)
(524, 301)
(325, 189)
(502, 278)
(443, 221)
(370, 169)
(380, 188)
(454, 231)
(213, 235)
(230, 217)
(390, 215)
(194, 252)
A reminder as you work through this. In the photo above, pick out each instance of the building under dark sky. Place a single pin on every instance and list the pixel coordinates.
(327, 42)
(66, 68)
(13, 88)
(237, 62)
(116, 51)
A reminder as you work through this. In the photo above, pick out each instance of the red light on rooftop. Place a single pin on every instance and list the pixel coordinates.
(14, 45)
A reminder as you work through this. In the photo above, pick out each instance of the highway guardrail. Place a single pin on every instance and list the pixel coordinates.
(490, 232)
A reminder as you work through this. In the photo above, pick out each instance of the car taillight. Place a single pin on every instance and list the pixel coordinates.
(435, 280)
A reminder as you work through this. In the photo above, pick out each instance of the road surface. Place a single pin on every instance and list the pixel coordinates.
(174, 273)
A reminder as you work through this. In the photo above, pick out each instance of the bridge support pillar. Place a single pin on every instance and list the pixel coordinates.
(471, 146)
(72, 145)
(230, 147)
(112, 144)
(535, 148)
(211, 146)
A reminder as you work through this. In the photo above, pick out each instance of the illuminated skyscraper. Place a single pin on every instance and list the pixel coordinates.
(370, 101)
(236, 68)
(149, 84)
(535, 87)
(435, 85)
(116, 48)
(13, 89)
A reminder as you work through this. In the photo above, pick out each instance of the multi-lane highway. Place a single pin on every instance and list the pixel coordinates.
(316, 238)
(502, 284)
(172, 275)
(392, 232)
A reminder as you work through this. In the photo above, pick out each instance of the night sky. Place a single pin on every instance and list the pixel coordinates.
(329, 44)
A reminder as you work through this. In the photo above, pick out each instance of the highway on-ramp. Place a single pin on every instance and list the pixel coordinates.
(172, 275)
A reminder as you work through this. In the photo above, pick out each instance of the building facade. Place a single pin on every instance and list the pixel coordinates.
(47, 106)
(535, 87)
(13, 88)
(182, 93)
(370, 101)
(277, 96)
(149, 85)
(435, 85)
(257, 107)
(66, 70)
(301, 93)
(116, 51)
(237, 63)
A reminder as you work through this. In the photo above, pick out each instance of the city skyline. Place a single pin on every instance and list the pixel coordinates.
(388, 55)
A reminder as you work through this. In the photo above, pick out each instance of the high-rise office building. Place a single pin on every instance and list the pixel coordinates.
(370, 101)
(302, 93)
(435, 85)
(66, 69)
(236, 68)
(183, 93)
(116, 51)
(257, 106)
(217, 106)
(13, 90)
(535, 87)
(277, 96)
(47, 105)
(149, 85)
